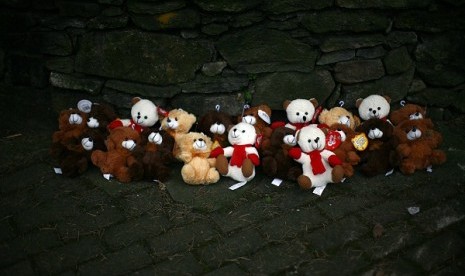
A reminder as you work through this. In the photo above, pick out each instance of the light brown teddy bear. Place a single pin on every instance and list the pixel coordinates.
(417, 146)
(198, 168)
(119, 160)
(177, 123)
(339, 115)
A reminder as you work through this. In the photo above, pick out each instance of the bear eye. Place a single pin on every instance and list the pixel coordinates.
(145, 117)
(306, 113)
(297, 114)
(370, 109)
(138, 113)
(176, 118)
(309, 140)
(125, 139)
(195, 140)
(407, 130)
(379, 108)
(243, 131)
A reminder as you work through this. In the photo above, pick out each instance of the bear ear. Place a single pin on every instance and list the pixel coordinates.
(388, 99)
(286, 104)
(314, 102)
(230, 127)
(358, 102)
(135, 100)
(357, 121)
(323, 116)
(297, 135)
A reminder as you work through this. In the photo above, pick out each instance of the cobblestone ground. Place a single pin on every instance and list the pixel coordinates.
(88, 225)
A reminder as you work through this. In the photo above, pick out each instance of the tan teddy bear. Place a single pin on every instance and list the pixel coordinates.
(339, 115)
(177, 123)
(198, 168)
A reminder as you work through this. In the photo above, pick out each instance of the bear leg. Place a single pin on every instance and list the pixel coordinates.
(247, 168)
(269, 165)
(188, 174)
(212, 176)
(337, 174)
(222, 164)
(304, 182)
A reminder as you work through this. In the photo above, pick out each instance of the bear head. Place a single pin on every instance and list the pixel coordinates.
(257, 115)
(144, 112)
(377, 129)
(411, 130)
(300, 110)
(242, 134)
(123, 140)
(196, 143)
(178, 121)
(311, 138)
(373, 106)
(338, 115)
(409, 112)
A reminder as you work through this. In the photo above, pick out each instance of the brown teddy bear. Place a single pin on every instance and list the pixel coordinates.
(119, 160)
(379, 156)
(177, 123)
(198, 168)
(260, 117)
(417, 146)
(346, 150)
(410, 112)
(215, 124)
(339, 115)
(276, 161)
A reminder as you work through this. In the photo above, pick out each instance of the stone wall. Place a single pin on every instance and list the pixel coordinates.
(196, 54)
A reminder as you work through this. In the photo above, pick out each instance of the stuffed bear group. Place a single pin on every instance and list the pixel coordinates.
(313, 146)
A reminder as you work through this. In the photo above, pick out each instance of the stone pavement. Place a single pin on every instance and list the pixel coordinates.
(88, 225)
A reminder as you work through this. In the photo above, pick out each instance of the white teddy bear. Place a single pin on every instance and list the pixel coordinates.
(242, 153)
(320, 166)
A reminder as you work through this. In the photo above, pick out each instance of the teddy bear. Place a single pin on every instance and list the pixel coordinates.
(242, 153)
(276, 161)
(338, 115)
(373, 106)
(346, 150)
(215, 124)
(300, 113)
(379, 155)
(260, 117)
(319, 165)
(410, 112)
(417, 146)
(144, 114)
(119, 159)
(72, 143)
(199, 168)
(177, 123)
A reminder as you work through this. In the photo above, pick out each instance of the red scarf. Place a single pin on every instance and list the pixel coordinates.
(298, 126)
(316, 162)
(238, 155)
(135, 126)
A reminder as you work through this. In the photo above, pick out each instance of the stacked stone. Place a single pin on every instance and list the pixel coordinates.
(196, 54)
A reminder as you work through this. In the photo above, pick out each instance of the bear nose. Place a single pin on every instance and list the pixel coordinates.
(305, 118)
(90, 140)
(201, 139)
(414, 129)
(317, 139)
(417, 114)
(169, 120)
(374, 111)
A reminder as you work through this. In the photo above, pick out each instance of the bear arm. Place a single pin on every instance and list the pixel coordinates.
(295, 153)
(403, 150)
(254, 158)
(217, 151)
(186, 157)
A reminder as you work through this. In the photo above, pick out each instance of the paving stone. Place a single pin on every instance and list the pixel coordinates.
(430, 193)
(392, 266)
(387, 212)
(276, 258)
(228, 270)
(180, 264)
(339, 206)
(336, 234)
(11, 252)
(343, 262)
(433, 253)
(21, 268)
(22, 179)
(183, 238)
(6, 231)
(146, 226)
(233, 248)
(293, 223)
(16, 202)
(59, 186)
(393, 239)
(295, 198)
(245, 215)
(39, 241)
(119, 262)
(89, 222)
(441, 216)
(142, 201)
(68, 256)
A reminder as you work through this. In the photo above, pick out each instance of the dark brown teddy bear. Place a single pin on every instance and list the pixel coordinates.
(346, 150)
(276, 161)
(260, 117)
(417, 146)
(119, 160)
(379, 156)
(215, 124)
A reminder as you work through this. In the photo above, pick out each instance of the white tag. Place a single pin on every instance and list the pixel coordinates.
(84, 106)
(58, 170)
(262, 114)
(389, 172)
(107, 176)
(319, 190)
(413, 210)
(277, 182)
(429, 168)
(237, 185)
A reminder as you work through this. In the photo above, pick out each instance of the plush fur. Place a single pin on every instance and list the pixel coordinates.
(379, 157)
(276, 161)
(199, 168)
(119, 159)
(242, 153)
(417, 146)
(260, 117)
(319, 166)
(338, 115)
(374, 106)
(215, 125)
(144, 114)
(346, 150)
(410, 112)
(177, 123)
